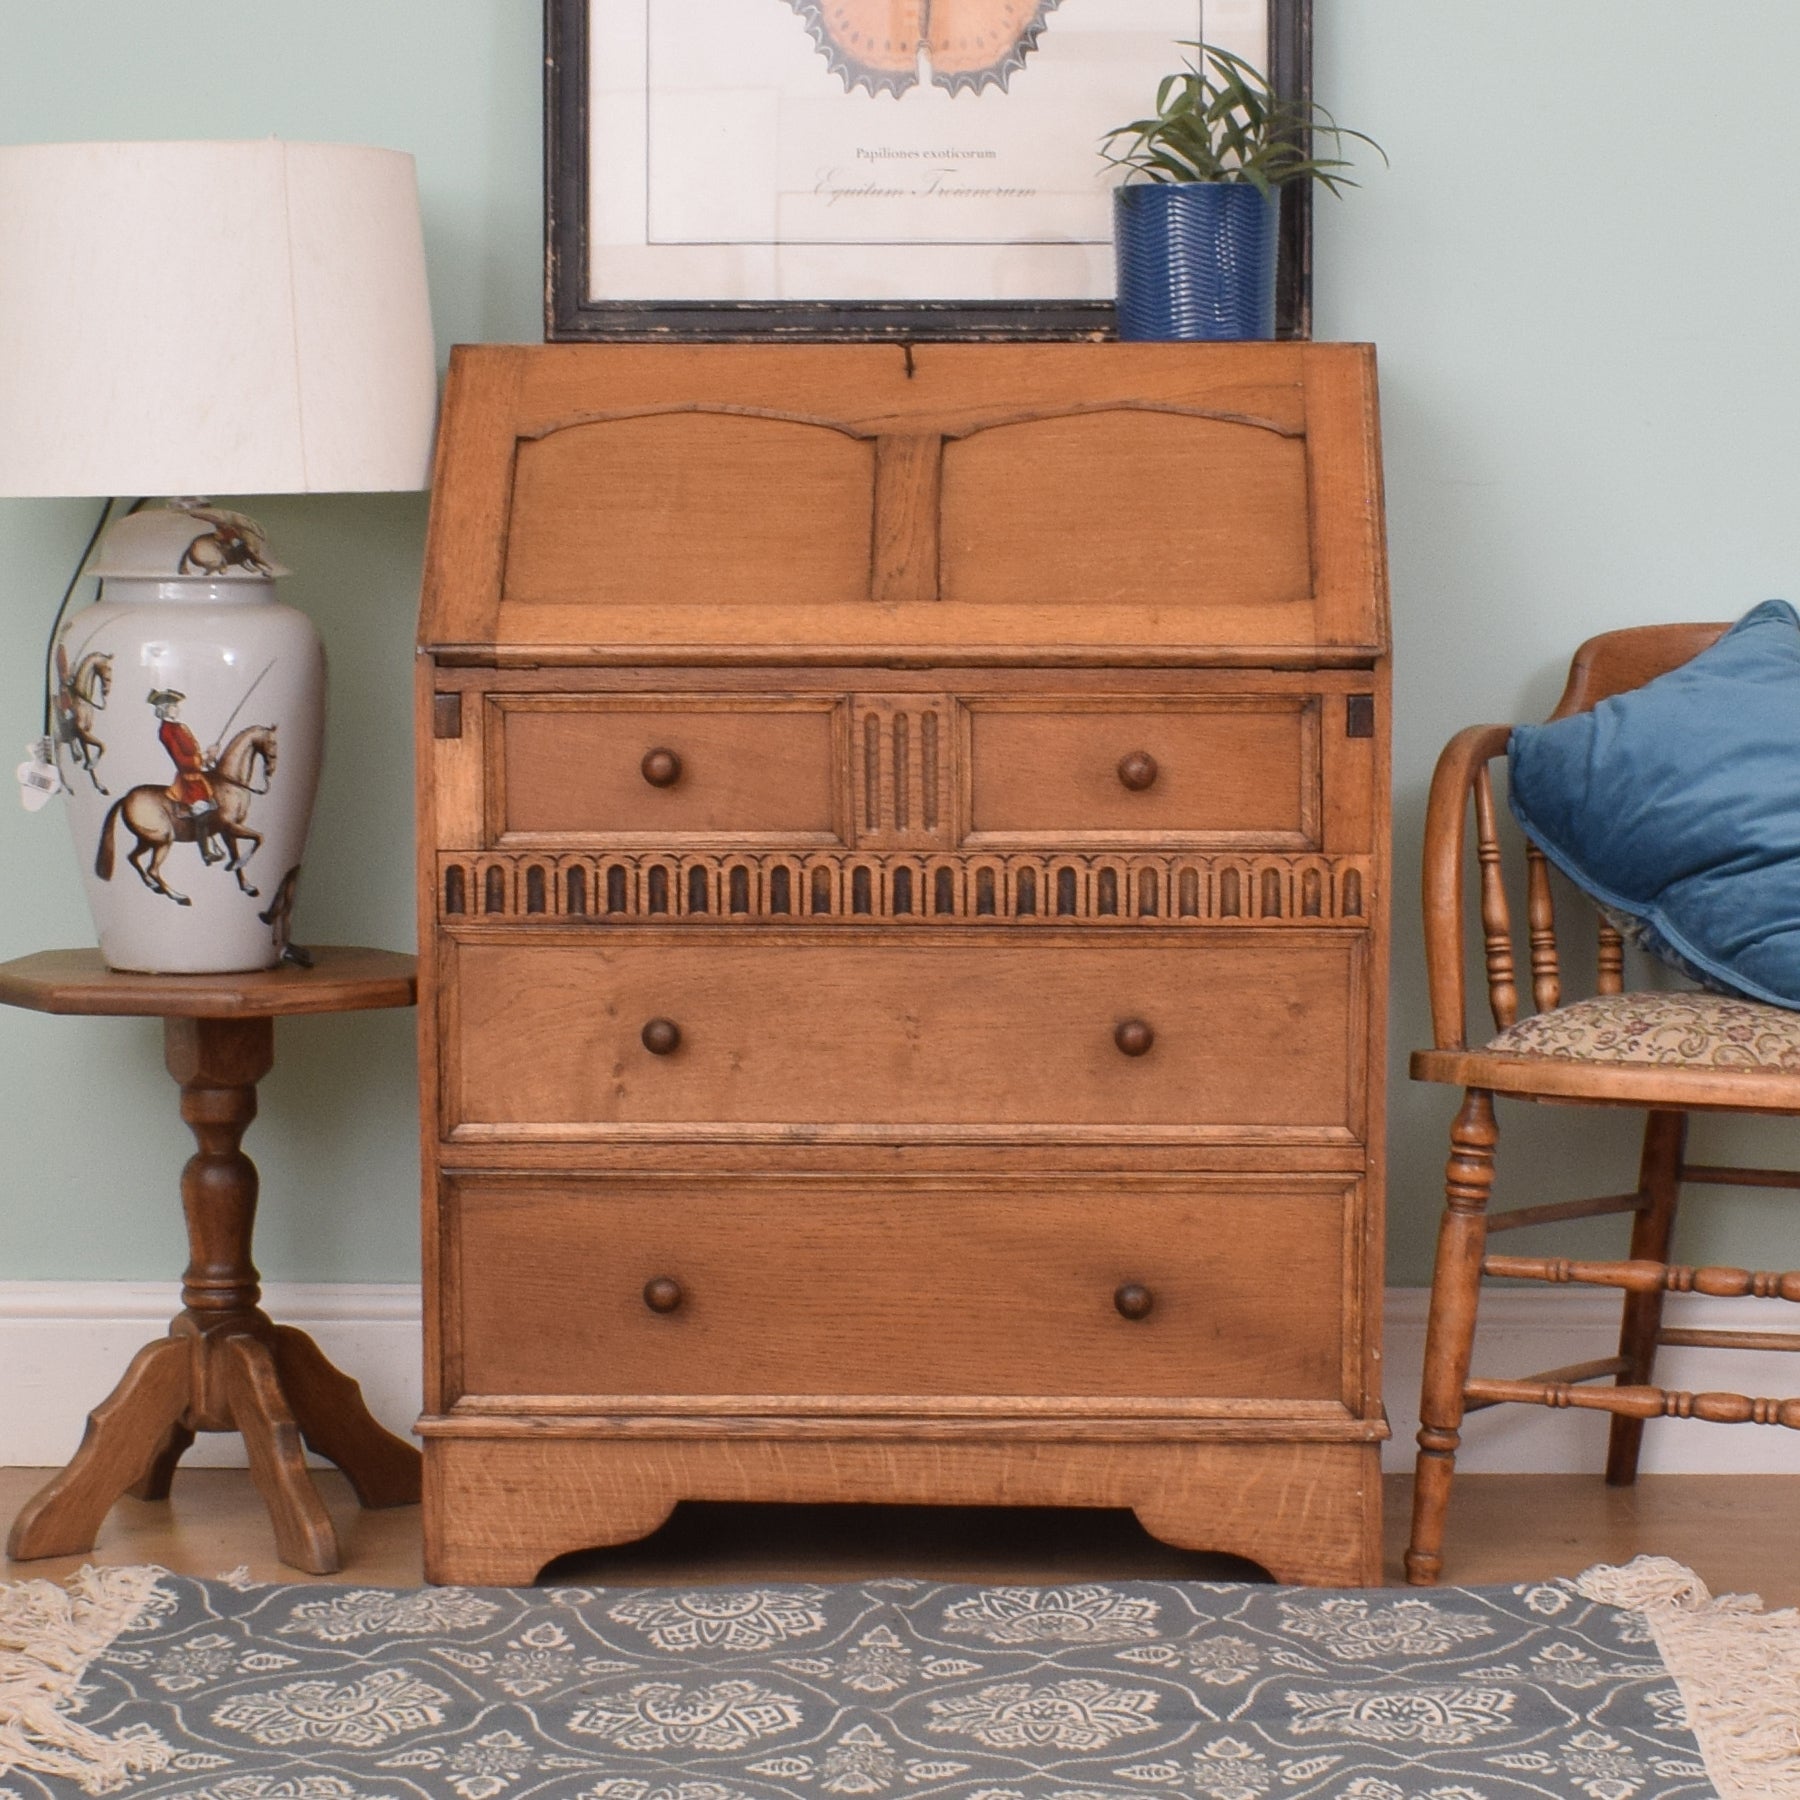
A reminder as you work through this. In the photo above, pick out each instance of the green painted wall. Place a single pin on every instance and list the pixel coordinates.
(1579, 272)
(92, 1139)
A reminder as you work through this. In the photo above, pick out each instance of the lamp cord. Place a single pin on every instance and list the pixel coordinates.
(56, 623)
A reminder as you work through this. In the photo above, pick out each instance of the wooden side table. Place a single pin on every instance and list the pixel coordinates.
(225, 1365)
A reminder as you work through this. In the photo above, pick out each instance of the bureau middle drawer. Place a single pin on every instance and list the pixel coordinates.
(1220, 770)
(581, 768)
(1251, 1033)
(1217, 1286)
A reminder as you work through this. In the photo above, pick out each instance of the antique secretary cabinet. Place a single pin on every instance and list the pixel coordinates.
(904, 906)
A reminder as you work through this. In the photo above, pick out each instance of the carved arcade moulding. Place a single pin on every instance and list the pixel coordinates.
(1105, 890)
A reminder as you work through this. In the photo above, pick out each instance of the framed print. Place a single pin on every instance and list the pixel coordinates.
(866, 168)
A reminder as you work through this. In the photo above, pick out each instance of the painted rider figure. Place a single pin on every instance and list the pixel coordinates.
(192, 790)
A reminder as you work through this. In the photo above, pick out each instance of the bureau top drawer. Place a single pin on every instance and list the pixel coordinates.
(720, 767)
(1282, 764)
(1088, 770)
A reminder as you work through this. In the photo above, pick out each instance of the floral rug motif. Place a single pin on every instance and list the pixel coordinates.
(143, 1683)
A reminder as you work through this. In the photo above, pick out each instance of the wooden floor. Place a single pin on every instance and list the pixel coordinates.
(1742, 1533)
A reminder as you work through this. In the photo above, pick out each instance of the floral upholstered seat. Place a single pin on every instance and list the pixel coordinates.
(1697, 1031)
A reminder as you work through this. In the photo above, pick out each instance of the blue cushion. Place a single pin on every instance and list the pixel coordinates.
(1678, 805)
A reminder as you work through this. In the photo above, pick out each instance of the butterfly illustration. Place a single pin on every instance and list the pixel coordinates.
(971, 44)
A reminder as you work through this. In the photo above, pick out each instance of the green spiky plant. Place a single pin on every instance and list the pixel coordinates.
(1218, 119)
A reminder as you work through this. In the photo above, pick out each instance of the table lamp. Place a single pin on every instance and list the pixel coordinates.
(201, 319)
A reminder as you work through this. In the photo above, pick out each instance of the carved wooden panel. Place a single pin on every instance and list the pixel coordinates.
(1252, 1032)
(1005, 1288)
(691, 506)
(1147, 505)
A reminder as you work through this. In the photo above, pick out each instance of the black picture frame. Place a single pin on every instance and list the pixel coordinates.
(570, 316)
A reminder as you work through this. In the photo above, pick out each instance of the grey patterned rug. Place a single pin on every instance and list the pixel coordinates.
(138, 1682)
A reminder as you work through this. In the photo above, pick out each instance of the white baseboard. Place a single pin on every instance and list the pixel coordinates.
(63, 1344)
(1524, 1330)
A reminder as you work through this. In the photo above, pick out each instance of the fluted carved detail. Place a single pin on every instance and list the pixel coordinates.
(901, 774)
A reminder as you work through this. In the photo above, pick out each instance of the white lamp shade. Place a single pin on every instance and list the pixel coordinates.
(212, 318)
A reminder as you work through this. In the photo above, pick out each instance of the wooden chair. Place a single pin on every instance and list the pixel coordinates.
(1596, 1052)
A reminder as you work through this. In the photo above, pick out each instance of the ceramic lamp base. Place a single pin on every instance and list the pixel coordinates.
(189, 724)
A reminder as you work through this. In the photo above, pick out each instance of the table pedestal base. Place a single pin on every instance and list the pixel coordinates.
(225, 1365)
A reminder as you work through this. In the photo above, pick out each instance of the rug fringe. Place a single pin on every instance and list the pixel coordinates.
(1738, 1669)
(48, 1636)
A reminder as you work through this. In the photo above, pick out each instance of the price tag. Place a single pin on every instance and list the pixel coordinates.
(38, 776)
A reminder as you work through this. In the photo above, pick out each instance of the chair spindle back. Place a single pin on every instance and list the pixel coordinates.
(1546, 974)
(1496, 916)
(1613, 663)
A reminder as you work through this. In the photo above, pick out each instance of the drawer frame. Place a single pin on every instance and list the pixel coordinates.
(1293, 1485)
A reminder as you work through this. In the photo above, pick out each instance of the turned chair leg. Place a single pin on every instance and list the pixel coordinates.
(1659, 1180)
(1450, 1330)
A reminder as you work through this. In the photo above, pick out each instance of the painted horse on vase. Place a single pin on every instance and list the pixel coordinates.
(80, 694)
(158, 820)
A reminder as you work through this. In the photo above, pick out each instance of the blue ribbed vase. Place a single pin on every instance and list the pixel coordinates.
(1196, 259)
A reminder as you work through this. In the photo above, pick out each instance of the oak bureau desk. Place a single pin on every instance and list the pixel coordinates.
(904, 904)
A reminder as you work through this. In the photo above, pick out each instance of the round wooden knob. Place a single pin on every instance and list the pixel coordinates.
(662, 768)
(1134, 1037)
(662, 1037)
(662, 1294)
(1137, 770)
(1133, 1300)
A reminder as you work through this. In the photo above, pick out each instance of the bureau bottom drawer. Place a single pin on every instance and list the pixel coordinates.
(1212, 1287)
